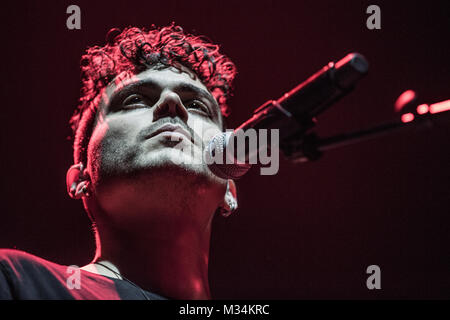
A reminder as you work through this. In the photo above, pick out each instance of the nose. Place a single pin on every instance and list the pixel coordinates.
(170, 105)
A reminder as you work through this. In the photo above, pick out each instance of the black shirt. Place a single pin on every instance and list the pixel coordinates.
(26, 277)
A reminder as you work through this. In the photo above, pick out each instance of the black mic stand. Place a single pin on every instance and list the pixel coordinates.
(310, 147)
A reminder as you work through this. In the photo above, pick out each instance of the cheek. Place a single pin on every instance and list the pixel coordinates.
(94, 147)
(108, 143)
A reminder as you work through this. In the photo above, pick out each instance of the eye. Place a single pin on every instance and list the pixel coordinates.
(198, 106)
(134, 100)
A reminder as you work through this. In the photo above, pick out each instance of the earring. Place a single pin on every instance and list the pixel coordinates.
(229, 209)
(230, 204)
(77, 187)
(82, 190)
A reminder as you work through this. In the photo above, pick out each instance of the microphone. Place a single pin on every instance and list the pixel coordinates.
(293, 114)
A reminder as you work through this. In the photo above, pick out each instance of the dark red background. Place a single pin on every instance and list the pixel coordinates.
(311, 230)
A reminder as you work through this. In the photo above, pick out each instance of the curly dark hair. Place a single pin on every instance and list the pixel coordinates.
(135, 50)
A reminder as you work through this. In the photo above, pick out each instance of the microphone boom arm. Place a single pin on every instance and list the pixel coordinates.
(311, 147)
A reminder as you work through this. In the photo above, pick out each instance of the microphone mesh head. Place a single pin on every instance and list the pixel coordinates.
(216, 157)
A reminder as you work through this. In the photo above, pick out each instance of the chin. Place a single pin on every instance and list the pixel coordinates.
(171, 163)
(180, 167)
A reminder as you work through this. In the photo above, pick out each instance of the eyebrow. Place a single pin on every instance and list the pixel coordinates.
(190, 88)
(181, 87)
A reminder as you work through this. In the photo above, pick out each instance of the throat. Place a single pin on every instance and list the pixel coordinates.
(171, 262)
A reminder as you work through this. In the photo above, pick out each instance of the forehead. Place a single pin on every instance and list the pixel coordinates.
(171, 77)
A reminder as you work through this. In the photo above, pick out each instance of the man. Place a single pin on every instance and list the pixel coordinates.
(151, 100)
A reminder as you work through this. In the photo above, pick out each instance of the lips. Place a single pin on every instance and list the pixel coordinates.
(171, 128)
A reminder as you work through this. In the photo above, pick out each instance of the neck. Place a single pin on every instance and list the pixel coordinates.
(169, 259)
(156, 240)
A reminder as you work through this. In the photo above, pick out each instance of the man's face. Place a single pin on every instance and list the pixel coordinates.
(150, 133)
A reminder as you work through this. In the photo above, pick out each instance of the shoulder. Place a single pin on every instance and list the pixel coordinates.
(26, 276)
(16, 263)
(19, 271)
(13, 257)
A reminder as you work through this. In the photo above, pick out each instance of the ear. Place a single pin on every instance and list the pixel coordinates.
(230, 203)
(77, 181)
